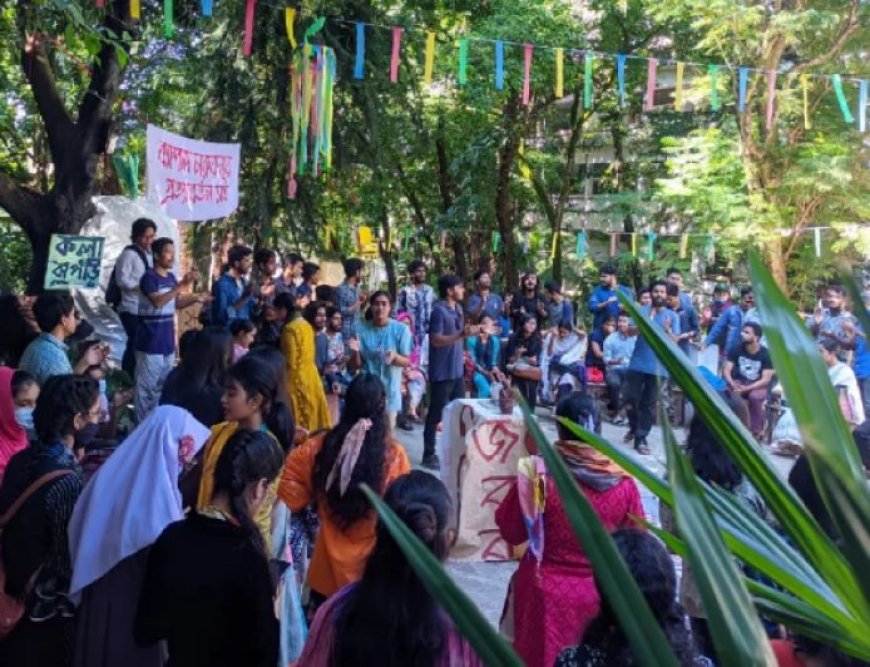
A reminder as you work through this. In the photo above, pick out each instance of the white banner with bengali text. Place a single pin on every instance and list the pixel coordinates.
(190, 179)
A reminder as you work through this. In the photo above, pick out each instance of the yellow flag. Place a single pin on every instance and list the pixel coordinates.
(290, 22)
(525, 170)
(678, 88)
(634, 244)
(805, 82)
(560, 72)
(135, 13)
(684, 245)
(430, 58)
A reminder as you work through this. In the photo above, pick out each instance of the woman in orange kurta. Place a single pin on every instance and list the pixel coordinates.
(304, 385)
(328, 470)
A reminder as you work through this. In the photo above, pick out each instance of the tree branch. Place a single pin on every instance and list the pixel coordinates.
(848, 26)
(19, 201)
(37, 70)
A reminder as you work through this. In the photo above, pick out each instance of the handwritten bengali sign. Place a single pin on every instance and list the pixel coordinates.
(74, 261)
(189, 179)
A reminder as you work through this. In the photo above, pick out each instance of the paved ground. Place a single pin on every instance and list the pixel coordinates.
(486, 583)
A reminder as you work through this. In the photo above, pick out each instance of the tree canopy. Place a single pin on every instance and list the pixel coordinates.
(459, 171)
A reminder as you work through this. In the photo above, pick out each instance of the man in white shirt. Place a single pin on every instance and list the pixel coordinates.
(134, 260)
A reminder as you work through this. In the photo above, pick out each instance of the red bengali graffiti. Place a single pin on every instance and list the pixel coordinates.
(499, 486)
(496, 548)
(503, 436)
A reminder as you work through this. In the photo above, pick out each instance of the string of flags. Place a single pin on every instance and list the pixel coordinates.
(367, 241)
(591, 59)
(651, 238)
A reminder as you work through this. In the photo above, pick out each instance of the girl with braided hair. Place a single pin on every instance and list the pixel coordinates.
(388, 618)
(328, 469)
(208, 590)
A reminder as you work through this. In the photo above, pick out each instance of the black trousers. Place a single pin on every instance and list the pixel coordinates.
(615, 379)
(130, 322)
(639, 392)
(529, 391)
(440, 394)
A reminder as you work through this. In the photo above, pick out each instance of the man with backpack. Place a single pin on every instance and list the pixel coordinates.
(123, 292)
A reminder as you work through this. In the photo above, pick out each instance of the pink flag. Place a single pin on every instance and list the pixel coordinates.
(652, 63)
(101, 3)
(394, 58)
(249, 27)
(771, 96)
(527, 74)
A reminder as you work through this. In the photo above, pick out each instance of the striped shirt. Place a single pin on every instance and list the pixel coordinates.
(156, 332)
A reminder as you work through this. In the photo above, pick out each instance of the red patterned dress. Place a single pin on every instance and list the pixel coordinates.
(554, 599)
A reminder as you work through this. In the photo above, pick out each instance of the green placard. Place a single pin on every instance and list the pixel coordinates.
(74, 261)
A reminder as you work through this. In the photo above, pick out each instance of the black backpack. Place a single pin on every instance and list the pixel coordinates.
(113, 290)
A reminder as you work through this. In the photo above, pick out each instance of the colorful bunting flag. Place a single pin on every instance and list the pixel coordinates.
(620, 78)
(359, 64)
(463, 61)
(678, 87)
(817, 237)
(527, 74)
(168, 19)
(634, 245)
(806, 96)
(862, 106)
(713, 70)
(560, 73)
(394, 56)
(206, 7)
(429, 64)
(684, 245)
(581, 245)
(613, 240)
(742, 80)
(290, 26)
(135, 10)
(249, 27)
(587, 81)
(651, 245)
(101, 4)
(499, 65)
(496, 241)
(651, 83)
(841, 98)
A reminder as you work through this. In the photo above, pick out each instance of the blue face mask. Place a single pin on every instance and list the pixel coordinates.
(24, 417)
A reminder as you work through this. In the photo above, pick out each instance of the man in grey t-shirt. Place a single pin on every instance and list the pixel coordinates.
(447, 332)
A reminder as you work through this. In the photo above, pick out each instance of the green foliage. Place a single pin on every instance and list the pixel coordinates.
(14, 258)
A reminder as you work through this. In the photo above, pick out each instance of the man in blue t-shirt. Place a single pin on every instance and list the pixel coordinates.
(603, 302)
(160, 295)
(234, 294)
(645, 372)
(447, 332)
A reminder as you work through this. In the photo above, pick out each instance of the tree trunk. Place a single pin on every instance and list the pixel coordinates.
(386, 251)
(507, 155)
(776, 262)
(75, 145)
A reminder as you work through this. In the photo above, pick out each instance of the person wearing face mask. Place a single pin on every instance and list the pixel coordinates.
(18, 393)
(120, 514)
(207, 590)
(45, 481)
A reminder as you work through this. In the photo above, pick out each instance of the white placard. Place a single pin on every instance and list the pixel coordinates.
(190, 179)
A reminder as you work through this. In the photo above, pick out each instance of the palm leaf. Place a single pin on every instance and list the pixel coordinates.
(739, 637)
(488, 645)
(803, 529)
(831, 452)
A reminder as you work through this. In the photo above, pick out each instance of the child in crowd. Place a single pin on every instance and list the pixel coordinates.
(244, 332)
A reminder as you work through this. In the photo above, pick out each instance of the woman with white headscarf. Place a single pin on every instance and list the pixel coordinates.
(119, 515)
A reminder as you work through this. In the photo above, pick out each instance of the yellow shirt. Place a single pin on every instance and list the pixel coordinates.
(220, 434)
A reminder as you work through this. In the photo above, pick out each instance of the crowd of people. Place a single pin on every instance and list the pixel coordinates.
(222, 521)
